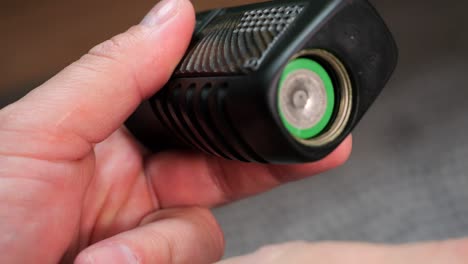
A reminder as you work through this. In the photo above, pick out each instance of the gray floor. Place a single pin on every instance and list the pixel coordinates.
(407, 179)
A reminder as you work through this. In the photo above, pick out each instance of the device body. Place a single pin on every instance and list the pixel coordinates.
(225, 97)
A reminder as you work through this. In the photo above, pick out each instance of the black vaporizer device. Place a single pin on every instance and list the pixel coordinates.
(279, 82)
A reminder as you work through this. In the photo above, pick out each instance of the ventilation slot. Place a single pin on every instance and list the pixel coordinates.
(162, 113)
(188, 101)
(195, 114)
(203, 113)
(219, 121)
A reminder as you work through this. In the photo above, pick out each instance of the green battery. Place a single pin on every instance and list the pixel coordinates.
(306, 98)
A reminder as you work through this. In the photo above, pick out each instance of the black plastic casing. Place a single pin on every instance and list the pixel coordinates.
(222, 99)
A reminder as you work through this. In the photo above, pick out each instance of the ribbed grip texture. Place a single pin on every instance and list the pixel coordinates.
(194, 114)
(235, 43)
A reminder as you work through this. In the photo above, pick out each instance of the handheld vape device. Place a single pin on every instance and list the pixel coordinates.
(276, 82)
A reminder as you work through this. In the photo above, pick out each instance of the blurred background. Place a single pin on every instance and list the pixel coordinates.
(407, 179)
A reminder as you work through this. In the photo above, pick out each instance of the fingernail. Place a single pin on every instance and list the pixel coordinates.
(116, 254)
(161, 13)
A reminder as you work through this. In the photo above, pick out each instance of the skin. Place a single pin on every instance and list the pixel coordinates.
(450, 252)
(73, 181)
(76, 187)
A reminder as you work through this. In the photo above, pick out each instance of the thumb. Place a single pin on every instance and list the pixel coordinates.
(171, 236)
(91, 98)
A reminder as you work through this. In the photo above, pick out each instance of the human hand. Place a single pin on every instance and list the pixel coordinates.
(449, 252)
(73, 182)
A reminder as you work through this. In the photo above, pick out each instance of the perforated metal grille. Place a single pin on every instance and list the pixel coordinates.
(268, 19)
(236, 43)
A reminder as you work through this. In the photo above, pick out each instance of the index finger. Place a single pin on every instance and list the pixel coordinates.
(187, 179)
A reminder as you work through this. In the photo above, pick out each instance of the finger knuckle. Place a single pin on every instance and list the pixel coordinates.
(117, 45)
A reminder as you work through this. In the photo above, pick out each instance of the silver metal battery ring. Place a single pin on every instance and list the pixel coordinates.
(343, 107)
